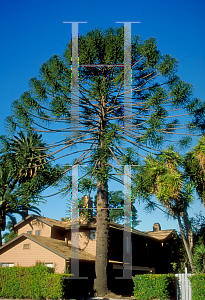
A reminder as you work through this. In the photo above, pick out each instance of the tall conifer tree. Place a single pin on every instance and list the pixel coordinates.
(157, 94)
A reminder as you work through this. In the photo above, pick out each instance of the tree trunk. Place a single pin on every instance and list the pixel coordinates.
(188, 229)
(101, 259)
(0, 238)
(186, 244)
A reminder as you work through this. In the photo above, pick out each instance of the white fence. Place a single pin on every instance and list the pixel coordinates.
(183, 287)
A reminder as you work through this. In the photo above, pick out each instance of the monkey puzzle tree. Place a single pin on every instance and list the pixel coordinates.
(156, 92)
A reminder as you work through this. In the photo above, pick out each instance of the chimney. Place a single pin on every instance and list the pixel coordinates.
(24, 213)
(156, 227)
(89, 204)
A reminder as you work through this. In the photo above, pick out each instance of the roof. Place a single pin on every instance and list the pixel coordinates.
(56, 246)
(134, 231)
(50, 222)
(161, 235)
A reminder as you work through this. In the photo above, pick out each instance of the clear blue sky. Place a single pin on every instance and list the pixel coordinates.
(31, 31)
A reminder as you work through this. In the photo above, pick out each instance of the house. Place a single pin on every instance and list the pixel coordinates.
(49, 241)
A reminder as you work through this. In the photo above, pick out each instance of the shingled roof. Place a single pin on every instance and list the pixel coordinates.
(48, 221)
(161, 235)
(56, 246)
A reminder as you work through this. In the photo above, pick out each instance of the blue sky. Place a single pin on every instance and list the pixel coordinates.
(31, 31)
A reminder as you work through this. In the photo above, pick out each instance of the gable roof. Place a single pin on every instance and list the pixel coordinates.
(48, 221)
(162, 235)
(56, 246)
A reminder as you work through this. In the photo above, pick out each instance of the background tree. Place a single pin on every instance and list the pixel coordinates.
(163, 177)
(199, 256)
(156, 92)
(10, 235)
(195, 167)
(24, 174)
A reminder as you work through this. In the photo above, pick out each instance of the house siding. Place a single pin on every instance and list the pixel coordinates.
(28, 257)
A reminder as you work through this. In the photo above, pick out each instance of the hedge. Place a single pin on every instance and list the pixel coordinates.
(35, 282)
(197, 286)
(151, 286)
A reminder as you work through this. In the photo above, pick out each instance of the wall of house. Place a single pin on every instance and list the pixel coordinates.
(145, 252)
(85, 243)
(28, 257)
(35, 225)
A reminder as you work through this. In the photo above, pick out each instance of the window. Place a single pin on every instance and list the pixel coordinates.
(3, 265)
(29, 232)
(26, 246)
(50, 265)
(37, 232)
(92, 234)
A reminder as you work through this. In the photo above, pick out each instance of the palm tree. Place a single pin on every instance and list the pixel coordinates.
(195, 167)
(24, 173)
(162, 176)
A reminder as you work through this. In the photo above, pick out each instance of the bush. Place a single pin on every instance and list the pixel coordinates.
(197, 286)
(31, 282)
(153, 286)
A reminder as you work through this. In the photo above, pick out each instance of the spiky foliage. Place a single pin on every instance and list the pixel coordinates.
(195, 167)
(199, 256)
(23, 174)
(163, 176)
(157, 93)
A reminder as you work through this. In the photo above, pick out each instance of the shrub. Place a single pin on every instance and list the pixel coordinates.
(153, 286)
(31, 282)
(197, 286)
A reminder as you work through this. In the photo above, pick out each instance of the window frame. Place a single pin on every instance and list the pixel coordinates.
(91, 234)
(7, 265)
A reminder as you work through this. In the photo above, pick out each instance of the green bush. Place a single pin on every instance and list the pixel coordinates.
(153, 286)
(31, 282)
(197, 286)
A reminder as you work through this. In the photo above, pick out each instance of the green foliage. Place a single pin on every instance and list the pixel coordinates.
(31, 282)
(9, 236)
(24, 173)
(153, 286)
(199, 256)
(194, 163)
(197, 286)
(198, 226)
